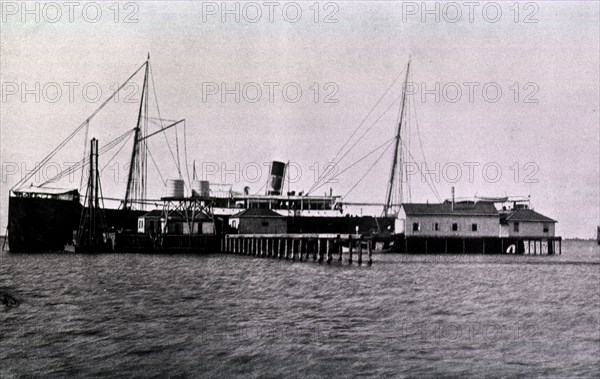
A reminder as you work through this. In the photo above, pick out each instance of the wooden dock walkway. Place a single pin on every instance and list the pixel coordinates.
(301, 247)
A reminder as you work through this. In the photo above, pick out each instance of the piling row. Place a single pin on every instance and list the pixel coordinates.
(301, 247)
(482, 245)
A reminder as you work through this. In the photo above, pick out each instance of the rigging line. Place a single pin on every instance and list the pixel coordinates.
(261, 188)
(49, 156)
(365, 118)
(356, 142)
(159, 119)
(157, 169)
(366, 173)
(144, 155)
(422, 149)
(118, 151)
(85, 145)
(187, 166)
(424, 176)
(70, 170)
(159, 115)
(334, 164)
(408, 139)
(355, 163)
(178, 154)
(421, 144)
(161, 130)
(84, 162)
(62, 144)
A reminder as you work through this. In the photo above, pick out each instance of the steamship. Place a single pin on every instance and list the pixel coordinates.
(46, 218)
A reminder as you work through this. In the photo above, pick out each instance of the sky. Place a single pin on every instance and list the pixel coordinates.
(503, 95)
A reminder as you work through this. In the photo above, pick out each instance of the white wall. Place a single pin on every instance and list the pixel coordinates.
(531, 229)
(487, 226)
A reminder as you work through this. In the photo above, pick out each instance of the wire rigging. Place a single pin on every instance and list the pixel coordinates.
(70, 136)
(336, 163)
(84, 162)
(325, 172)
(355, 163)
(367, 172)
(161, 120)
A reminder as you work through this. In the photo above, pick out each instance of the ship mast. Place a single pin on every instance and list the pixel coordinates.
(397, 153)
(92, 223)
(136, 161)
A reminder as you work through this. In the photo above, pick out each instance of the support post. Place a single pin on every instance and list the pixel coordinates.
(360, 249)
(319, 251)
(293, 249)
(370, 249)
(338, 242)
(329, 252)
(350, 248)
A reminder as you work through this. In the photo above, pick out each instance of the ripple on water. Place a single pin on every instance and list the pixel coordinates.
(230, 316)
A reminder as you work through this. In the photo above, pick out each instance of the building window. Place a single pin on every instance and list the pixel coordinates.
(416, 227)
(473, 227)
(265, 223)
(436, 226)
(516, 227)
(454, 227)
(546, 228)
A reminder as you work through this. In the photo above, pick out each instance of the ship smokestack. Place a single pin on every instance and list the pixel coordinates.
(275, 185)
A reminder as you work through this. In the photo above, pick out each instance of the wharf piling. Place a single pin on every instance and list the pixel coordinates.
(478, 245)
(301, 247)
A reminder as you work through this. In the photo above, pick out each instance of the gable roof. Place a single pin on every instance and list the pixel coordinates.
(257, 212)
(445, 208)
(528, 215)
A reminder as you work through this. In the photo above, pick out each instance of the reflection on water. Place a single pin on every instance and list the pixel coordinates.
(227, 316)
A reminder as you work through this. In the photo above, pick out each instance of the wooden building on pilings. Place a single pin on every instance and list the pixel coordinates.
(471, 227)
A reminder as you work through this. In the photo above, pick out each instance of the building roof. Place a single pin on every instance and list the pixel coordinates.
(526, 215)
(445, 208)
(258, 212)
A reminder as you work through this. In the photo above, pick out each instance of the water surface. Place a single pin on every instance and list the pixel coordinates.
(235, 316)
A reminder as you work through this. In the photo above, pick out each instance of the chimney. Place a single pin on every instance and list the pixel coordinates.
(452, 199)
(275, 185)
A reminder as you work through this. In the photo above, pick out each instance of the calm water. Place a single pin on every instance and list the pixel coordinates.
(233, 316)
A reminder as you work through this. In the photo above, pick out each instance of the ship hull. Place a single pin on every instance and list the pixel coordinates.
(40, 225)
(43, 225)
